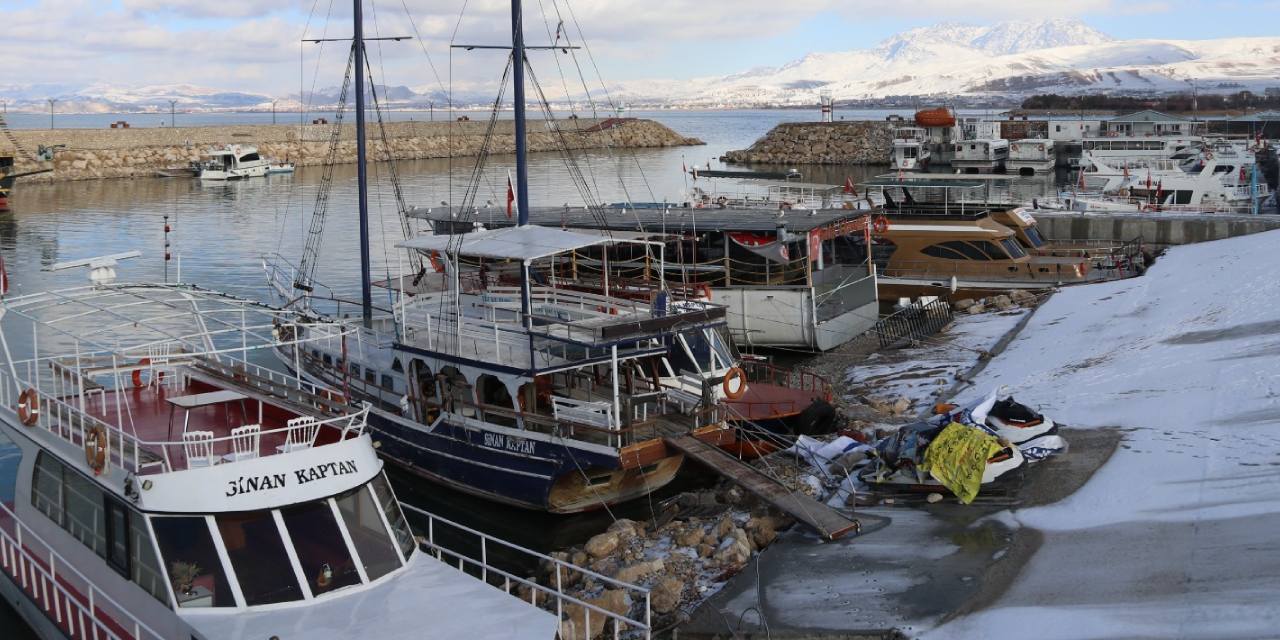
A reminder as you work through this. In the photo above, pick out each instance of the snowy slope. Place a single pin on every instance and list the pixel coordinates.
(1164, 540)
(1011, 58)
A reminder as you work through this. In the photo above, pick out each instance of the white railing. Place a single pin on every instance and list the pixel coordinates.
(42, 574)
(642, 622)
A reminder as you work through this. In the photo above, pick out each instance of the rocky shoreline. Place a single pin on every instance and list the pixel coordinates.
(91, 154)
(852, 142)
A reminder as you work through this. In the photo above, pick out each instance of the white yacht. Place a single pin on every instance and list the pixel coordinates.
(1221, 178)
(910, 151)
(1032, 157)
(1120, 150)
(232, 162)
(155, 484)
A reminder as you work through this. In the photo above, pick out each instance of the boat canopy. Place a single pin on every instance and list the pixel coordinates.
(529, 242)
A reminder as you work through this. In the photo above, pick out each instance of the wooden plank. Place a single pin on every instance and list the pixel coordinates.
(828, 522)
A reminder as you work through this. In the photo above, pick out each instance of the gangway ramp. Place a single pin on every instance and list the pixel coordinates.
(828, 522)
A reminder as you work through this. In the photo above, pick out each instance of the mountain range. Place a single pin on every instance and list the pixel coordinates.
(998, 63)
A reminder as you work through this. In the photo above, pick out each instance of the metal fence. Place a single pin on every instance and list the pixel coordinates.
(912, 323)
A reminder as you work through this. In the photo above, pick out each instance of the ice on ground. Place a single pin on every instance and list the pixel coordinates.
(914, 373)
(1185, 359)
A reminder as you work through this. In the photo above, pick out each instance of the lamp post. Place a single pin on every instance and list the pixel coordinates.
(52, 101)
(173, 119)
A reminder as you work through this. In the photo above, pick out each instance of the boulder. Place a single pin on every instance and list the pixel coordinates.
(1002, 302)
(666, 595)
(734, 551)
(690, 536)
(576, 627)
(963, 305)
(976, 309)
(725, 526)
(603, 544)
(900, 406)
(762, 530)
(633, 573)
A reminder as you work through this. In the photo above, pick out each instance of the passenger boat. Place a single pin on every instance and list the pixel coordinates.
(910, 151)
(756, 193)
(1122, 149)
(156, 484)
(980, 155)
(1032, 157)
(232, 162)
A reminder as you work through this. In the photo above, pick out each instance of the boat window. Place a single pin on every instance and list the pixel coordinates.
(259, 558)
(117, 536)
(1223, 169)
(1012, 246)
(194, 569)
(399, 526)
(371, 376)
(1033, 236)
(46, 488)
(396, 366)
(940, 251)
(10, 458)
(1153, 145)
(328, 360)
(322, 553)
(720, 343)
(988, 249)
(84, 512)
(355, 370)
(387, 382)
(249, 157)
(368, 534)
(144, 569)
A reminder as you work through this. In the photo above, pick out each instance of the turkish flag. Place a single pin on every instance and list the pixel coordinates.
(511, 196)
(849, 188)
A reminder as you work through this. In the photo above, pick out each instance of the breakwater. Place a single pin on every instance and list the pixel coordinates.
(89, 154)
(859, 142)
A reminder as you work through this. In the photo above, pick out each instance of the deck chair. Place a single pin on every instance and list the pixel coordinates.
(301, 434)
(244, 442)
(198, 448)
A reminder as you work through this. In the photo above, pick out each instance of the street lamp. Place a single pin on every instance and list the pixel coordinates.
(173, 120)
(51, 103)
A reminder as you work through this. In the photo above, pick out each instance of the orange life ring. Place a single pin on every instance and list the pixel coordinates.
(95, 448)
(706, 290)
(137, 373)
(732, 393)
(880, 225)
(785, 206)
(1084, 268)
(29, 407)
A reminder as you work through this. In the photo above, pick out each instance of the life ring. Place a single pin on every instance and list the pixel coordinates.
(880, 225)
(1084, 269)
(1144, 207)
(95, 448)
(722, 201)
(137, 373)
(785, 206)
(733, 392)
(705, 289)
(29, 407)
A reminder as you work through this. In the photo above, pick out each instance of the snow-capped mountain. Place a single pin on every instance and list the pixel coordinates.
(109, 98)
(1008, 59)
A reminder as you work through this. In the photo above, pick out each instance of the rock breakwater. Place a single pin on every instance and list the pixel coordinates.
(856, 142)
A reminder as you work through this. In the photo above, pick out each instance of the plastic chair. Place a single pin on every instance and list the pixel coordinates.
(198, 448)
(244, 442)
(301, 434)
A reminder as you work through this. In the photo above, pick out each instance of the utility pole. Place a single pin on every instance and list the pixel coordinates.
(173, 119)
(273, 111)
(431, 111)
(51, 103)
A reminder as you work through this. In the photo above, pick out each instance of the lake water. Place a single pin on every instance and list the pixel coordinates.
(220, 232)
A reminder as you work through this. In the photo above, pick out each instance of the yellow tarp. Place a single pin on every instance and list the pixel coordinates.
(958, 457)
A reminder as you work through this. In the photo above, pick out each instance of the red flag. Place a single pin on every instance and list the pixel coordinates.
(1159, 191)
(511, 195)
(849, 188)
(901, 175)
(4, 278)
(695, 174)
(684, 168)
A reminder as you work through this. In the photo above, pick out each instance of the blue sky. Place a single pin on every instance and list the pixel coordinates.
(252, 45)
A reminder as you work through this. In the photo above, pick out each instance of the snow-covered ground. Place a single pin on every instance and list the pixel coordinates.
(1175, 535)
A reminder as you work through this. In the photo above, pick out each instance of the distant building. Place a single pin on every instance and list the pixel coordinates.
(1272, 92)
(1074, 130)
(1151, 123)
(1264, 123)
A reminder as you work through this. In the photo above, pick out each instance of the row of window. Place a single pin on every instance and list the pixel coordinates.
(370, 375)
(1123, 145)
(975, 250)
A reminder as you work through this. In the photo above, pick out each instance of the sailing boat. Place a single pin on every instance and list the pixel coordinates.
(493, 380)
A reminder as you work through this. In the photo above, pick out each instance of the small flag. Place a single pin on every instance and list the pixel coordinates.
(1126, 172)
(1159, 191)
(511, 195)
(695, 174)
(4, 278)
(901, 175)
(849, 188)
(684, 168)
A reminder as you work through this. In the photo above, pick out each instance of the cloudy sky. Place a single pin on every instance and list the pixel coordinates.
(253, 45)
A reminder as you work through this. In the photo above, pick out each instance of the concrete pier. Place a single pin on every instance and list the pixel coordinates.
(1157, 230)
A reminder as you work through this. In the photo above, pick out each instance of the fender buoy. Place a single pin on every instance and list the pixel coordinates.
(1084, 268)
(734, 391)
(95, 448)
(28, 407)
(880, 225)
(722, 201)
(785, 206)
(137, 373)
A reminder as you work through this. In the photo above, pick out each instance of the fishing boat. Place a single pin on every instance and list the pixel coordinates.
(910, 151)
(156, 484)
(231, 162)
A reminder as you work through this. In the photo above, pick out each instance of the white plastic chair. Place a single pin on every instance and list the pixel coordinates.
(198, 447)
(244, 442)
(301, 434)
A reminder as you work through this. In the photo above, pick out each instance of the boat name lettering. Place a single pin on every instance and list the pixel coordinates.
(253, 484)
(500, 441)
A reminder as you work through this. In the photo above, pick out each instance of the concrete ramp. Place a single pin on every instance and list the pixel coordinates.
(828, 522)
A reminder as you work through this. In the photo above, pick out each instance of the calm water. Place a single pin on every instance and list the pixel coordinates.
(220, 231)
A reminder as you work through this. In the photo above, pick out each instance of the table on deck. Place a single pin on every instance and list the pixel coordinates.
(197, 400)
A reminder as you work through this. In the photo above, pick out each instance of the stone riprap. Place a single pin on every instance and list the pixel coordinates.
(854, 142)
(137, 152)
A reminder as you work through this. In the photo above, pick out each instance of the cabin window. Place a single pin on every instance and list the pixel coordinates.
(1223, 169)
(85, 518)
(117, 536)
(371, 376)
(46, 488)
(1012, 246)
(355, 370)
(387, 382)
(322, 553)
(144, 569)
(195, 571)
(988, 249)
(396, 366)
(940, 251)
(249, 157)
(1153, 145)
(368, 534)
(259, 558)
(328, 360)
(10, 458)
(1033, 236)
(399, 526)
(956, 250)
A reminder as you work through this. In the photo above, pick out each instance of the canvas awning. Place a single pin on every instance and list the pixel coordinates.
(529, 242)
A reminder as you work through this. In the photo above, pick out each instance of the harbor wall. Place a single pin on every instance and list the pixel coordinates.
(126, 153)
(859, 142)
(1156, 230)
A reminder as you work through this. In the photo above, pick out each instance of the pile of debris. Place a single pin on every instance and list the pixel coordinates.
(1003, 302)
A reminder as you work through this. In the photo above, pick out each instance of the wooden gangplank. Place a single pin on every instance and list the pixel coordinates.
(828, 522)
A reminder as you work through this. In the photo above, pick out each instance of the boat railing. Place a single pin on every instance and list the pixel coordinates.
(61, 592)
(1050, 273)
(554, 597)
(768, 373)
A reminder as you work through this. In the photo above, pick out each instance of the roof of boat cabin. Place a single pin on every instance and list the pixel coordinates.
(529, 242)
(670, 220)
(1147, 115)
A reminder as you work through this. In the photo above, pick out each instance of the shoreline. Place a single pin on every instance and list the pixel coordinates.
(92, 154)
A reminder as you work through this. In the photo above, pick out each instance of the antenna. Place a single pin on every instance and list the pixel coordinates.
(102, 269)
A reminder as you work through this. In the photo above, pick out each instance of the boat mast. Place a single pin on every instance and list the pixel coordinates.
(366, 291)
(522, 164)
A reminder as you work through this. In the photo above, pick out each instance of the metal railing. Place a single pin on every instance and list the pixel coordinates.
(913, 323)
(556, 598)
(44, 575)
(804, 380)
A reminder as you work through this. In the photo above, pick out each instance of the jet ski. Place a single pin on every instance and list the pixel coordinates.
(1004, 417)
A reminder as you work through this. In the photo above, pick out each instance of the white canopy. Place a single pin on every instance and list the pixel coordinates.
(529, 242)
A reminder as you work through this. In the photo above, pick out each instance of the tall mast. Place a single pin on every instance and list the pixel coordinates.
(522, 161)
(366, 292)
